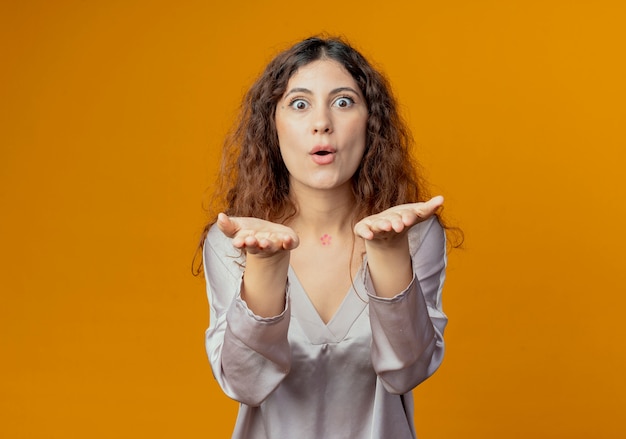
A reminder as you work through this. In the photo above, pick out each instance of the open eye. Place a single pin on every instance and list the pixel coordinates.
(299, 104)
(344, 102)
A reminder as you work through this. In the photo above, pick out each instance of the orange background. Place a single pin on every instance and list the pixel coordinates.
(112, 115)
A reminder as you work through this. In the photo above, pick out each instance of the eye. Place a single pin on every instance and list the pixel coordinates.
(299, 104)
(344, 102)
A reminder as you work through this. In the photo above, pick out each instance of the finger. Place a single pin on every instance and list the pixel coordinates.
(254, 250)
(253, 245)
(435, 202)
(428, 208)
(264, 245)
(398, 224)
(377, 224)
(289, 242)
(239, 241)
(384, 225)
(363, 230)
(251, 241)
(410, 218)
(244, 238)
(226, 225)
(272, 245)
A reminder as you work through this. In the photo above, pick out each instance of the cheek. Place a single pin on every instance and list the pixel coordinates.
(358, 143)
(286, 145)
(278, 124)
(285, 131)
(359, 133)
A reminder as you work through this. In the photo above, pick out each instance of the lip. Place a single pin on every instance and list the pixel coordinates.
(322, 148)
(323, 159)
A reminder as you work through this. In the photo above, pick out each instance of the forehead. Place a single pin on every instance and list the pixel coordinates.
(320, 73)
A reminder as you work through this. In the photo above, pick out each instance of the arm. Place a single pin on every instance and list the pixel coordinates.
(407, 322)
(248, 352)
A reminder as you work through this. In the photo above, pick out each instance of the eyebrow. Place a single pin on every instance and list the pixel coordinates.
(332, 92)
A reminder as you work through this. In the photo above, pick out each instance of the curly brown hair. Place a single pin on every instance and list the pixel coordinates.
(254, 181)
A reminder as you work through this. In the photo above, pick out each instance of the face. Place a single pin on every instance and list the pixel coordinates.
(321, 123)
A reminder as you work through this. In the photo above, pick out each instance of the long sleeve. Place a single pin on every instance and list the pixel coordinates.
(407, 330)
(249, 355)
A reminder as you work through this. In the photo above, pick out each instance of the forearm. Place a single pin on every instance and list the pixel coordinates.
(407, 329)
(406, 347)
(389, 265)
(255, 356)
(264, 282)
(249, 354)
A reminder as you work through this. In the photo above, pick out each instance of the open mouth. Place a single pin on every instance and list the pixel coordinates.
(323, 153)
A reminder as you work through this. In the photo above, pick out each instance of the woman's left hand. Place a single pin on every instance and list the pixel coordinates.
(396, 221)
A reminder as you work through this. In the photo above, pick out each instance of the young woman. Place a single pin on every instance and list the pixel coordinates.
(325, 270)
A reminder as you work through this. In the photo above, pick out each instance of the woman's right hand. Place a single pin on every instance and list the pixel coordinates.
(256, 236)
(267, 246)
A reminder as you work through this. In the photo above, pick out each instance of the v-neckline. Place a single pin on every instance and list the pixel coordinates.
(317, 331)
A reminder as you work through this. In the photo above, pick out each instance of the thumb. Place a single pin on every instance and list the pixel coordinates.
(433, 204)
(226, 225)
(436, 201)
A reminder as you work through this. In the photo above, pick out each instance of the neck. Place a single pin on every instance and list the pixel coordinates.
(323, 211)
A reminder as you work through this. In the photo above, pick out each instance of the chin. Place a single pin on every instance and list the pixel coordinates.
(322, 182)
(329, 184)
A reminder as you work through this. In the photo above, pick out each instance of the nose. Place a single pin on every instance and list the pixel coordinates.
(322, 122)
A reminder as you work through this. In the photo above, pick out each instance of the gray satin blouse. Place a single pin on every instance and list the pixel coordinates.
(297, 377)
